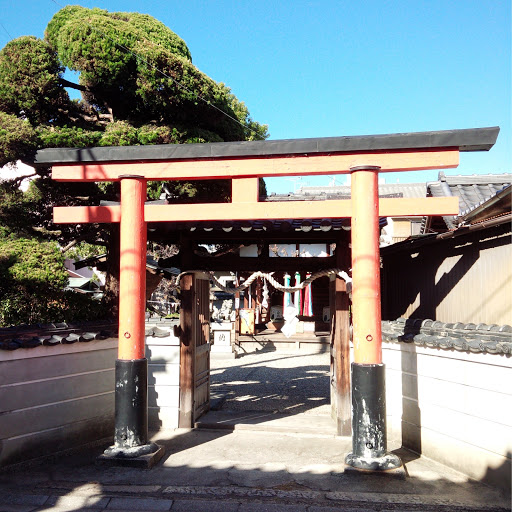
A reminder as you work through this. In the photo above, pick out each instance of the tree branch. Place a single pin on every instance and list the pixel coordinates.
(69, 246)
(44, 231)
(15, 182)
(72, 85)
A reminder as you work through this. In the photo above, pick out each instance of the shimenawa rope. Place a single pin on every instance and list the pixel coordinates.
(271, 280)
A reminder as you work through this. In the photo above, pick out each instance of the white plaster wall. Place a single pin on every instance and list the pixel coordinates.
(55, 398)
(453, 407)
(163, 356)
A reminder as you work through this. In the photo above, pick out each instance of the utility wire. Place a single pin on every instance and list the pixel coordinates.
(152, 66)
(335, 180)
(7, 32)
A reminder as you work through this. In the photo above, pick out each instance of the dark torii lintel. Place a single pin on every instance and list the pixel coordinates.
(473, 139)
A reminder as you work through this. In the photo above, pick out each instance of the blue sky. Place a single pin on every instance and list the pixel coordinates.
(332, 68)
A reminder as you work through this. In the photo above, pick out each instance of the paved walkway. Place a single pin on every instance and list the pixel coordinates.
(272, 381)
(254, 468)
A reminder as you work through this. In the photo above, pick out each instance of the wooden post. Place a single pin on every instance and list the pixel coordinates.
(237, 314)
(187, 352)
(257, 303)
(341, 343)
(369, 439)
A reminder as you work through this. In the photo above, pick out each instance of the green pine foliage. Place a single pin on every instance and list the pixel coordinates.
(30, 85)
(17, 137)
(138, 86)
(136, 67)
(32, 282)
(135, 74)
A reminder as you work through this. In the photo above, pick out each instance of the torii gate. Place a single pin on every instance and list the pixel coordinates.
(244, 162)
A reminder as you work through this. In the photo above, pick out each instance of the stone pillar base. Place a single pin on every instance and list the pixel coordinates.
(144, 457)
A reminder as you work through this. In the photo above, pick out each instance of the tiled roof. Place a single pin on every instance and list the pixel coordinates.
(498, 205)
(299, 225)
(471, 190)
(492, 339)
(407, 190)
(472, 196)
(31, 336)
(159, 327)
(277, 226)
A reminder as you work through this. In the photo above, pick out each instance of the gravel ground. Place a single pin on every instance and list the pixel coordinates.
(272, 381)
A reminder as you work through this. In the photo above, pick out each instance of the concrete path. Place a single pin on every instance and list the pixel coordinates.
(274, 460)
(242, 471)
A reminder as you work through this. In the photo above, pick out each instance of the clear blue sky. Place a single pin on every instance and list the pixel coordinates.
(331, 68)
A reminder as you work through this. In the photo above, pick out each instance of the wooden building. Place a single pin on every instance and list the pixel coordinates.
(459, 275)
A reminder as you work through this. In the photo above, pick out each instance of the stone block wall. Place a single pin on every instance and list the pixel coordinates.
(163, 354)
(452, 406)
(54, 398)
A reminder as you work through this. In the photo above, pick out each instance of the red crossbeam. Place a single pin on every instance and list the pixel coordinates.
(257, 211)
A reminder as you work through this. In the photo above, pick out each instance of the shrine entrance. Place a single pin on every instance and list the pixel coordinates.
(329, 240)
(244, 162)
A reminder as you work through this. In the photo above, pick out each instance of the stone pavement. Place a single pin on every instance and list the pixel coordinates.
(241, 471)
(269, 447)
(288, 382)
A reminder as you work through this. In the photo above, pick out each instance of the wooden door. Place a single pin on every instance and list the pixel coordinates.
(194, 349)
(202, 341)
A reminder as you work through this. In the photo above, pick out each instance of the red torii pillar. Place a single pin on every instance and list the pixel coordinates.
(369, 437)
(131, 370)
(369, 429)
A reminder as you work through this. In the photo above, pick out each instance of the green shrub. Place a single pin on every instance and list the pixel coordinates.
(32, 282)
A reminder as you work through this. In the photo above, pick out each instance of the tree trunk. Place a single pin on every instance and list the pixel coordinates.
(111, 294)
(152, 282)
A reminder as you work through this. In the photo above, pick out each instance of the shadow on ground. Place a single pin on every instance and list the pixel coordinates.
(244, 471)
(272, 382)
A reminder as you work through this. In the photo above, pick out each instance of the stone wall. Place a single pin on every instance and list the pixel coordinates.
(452, 406)
(163, 354)
(54, 398)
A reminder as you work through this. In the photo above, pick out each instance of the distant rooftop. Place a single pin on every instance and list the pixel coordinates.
(472, 190)
(409, 190)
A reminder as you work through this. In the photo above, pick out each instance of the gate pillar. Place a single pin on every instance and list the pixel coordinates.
(369, 439)
(131, 445)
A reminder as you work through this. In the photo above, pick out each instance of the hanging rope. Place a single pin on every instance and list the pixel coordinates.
(268, 277)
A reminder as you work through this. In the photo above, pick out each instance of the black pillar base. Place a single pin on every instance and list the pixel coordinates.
(131, 403)
(131, 446)
(369, 438)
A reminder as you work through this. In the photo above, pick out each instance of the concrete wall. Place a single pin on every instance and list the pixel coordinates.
(60, 397)
(55, 398)
(163, 356)
(453, 407)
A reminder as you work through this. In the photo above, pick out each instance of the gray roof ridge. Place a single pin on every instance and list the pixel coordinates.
(473, 179)
(459, 336)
